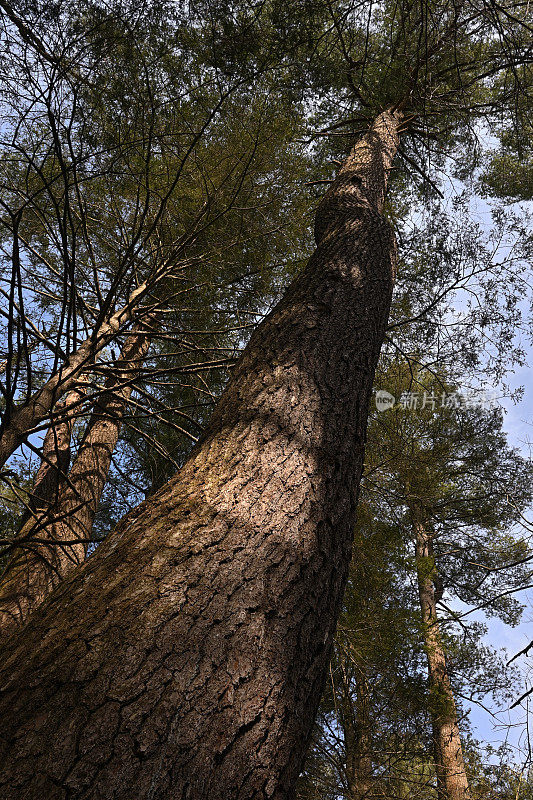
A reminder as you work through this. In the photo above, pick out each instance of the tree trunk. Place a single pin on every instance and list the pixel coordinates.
(452, 781)
(24, 575)
(54, 541)
(18, 422)
(357, 741)
(186, 658)
(55, 461)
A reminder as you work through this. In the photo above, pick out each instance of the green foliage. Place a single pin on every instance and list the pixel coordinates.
(14, 494)
(456, 462)
(509, 169)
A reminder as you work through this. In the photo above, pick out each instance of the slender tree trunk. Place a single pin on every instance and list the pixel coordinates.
(18, 422)
(452, 780)
(437, 758)
(186, 658)
(55, 461)
(24, 576)
(356, 728)
(55, 540)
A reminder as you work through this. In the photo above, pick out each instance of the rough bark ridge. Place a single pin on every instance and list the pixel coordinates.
(452, 780)
(55, 540)
(186, 658)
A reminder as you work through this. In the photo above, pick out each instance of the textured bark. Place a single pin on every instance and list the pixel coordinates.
(55, 461)
(186, 658)
(452, 780)
(55, 540)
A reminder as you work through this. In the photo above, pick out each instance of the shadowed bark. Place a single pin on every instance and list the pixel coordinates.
(55, 540)
(186, 658)
(452, 781)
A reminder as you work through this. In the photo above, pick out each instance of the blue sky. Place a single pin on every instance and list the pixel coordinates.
(518, 423)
